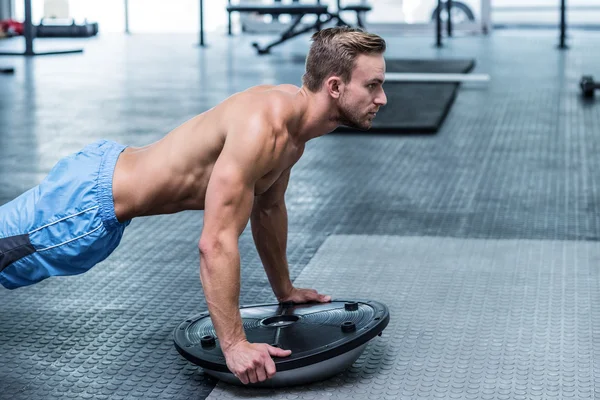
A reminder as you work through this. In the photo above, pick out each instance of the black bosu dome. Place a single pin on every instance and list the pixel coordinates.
(325, 338)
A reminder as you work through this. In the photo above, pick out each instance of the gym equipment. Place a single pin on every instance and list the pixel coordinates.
(29, 33)
(358, 9)
(297, 11)
(435, 77)
(588, 86)
(325, 338)
(57, 22)
(67, 28)
(562, 44)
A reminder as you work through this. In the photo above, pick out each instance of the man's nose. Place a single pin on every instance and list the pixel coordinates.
(381, 99)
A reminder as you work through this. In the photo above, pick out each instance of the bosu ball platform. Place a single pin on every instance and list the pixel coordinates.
(325, 338)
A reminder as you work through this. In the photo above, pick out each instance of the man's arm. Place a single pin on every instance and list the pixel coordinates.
(227, 208)
(269, 222)
(270, 229)
(229, 197)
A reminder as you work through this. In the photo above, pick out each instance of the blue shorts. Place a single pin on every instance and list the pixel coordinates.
(66, 224)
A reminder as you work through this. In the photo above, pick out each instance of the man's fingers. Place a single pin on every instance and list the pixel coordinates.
(300, 296)
(312, 294)
(261, 373)
(274, 351)
(324, 298)
(270, 368)
(243, 377)
(252, 376)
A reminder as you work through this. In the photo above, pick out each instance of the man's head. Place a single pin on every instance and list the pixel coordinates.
(348, 63)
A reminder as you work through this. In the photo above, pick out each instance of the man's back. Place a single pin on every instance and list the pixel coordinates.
(172, 174)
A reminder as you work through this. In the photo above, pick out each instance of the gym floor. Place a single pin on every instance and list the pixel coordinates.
(482, 239)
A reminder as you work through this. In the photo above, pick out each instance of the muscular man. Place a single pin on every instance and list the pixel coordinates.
(232, 161)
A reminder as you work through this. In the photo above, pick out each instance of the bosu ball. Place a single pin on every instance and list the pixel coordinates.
(325, 338)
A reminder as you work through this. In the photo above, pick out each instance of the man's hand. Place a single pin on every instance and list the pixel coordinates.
(252, 362)
(297, 295)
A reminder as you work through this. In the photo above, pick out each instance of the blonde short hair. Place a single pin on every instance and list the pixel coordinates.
(333, 52)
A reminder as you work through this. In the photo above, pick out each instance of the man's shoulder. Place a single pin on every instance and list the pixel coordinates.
(269, 94)
(284, 87)
(273, 107)
(288, 88)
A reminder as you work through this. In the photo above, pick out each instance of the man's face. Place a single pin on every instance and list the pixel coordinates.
(363, 95)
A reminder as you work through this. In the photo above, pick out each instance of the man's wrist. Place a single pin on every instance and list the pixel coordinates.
(227, 346)
(284, 293)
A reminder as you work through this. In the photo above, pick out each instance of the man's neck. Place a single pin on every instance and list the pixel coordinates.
(316, 118)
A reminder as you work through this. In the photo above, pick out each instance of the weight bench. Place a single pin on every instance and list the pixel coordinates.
(298, 11)
(357, 8)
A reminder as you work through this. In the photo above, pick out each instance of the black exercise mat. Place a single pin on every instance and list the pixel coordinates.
(417, 107)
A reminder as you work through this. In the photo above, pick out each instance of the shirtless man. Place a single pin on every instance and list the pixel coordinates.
(232, 161)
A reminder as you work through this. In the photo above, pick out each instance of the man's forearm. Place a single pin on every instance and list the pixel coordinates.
(269, 229)
(220, 275)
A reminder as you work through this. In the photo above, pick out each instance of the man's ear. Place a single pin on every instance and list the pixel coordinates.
(334, 86)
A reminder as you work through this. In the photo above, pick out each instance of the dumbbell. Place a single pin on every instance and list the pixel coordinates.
(588, 86)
